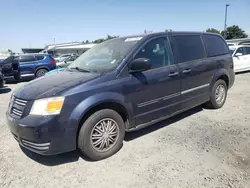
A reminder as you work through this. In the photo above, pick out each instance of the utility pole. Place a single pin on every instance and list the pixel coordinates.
(225, 24)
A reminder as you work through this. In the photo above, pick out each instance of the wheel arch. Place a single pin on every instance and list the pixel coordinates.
(41, 67)
(221, 74)
(97, 102)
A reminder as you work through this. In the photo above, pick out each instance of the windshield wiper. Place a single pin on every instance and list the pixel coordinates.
(79, 69)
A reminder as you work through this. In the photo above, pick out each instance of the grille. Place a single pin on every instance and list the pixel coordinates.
(15, 136)
(36, 146)
(18, 107)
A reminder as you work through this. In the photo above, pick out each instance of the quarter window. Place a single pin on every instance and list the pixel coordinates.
(158, 52)
(247, 50)
(214, 45)
(188, 48)
(39, 58)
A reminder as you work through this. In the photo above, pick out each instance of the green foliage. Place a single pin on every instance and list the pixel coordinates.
(213, 30)
(147, 31)
(234, 32)
(168, 30)
(104, 39)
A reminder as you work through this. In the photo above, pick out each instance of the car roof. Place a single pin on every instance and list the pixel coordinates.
(149, 35)
(238, 46)
(243, 45)
(36, 54)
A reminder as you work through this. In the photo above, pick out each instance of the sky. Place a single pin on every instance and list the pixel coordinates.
(35, 23)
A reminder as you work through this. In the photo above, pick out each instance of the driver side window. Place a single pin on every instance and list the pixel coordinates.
(158, 52)
(240, 50)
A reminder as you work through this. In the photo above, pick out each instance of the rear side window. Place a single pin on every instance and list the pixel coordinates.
(247, 50)
(39, 58)
(214, 45)
(188, 48)
(27, 58)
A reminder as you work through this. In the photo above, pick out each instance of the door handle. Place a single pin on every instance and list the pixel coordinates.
(186, 71)
(173, 74)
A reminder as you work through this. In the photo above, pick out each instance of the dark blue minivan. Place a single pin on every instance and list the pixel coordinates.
(120, 85)
(27, 65)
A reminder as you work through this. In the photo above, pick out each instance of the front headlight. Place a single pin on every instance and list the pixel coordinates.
(48, 106)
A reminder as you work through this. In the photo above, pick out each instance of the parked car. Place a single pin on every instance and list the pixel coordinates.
(21, 66)
(62, 57)
(241, 58)
(1, 79)
(66, 61)
(231, 45)
(141, 80)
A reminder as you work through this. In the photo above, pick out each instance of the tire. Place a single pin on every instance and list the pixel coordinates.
(41, 72)
(92, 126)
(214, 102)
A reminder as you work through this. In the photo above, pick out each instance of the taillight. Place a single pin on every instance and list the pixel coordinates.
(53, 62)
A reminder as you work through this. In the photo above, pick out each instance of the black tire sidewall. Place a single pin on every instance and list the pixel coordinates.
(84, 143)
(37, 72)
(213, 99)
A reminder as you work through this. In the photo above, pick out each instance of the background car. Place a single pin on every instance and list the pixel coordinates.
(62, 56)
(241, 58)
(30, 65)
(1, 79)
(231, 45)
(67, 61)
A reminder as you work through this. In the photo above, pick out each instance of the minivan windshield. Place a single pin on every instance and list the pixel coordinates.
(106, 56)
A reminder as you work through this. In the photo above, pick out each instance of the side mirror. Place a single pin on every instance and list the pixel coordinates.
(139, 65)
(238, 54)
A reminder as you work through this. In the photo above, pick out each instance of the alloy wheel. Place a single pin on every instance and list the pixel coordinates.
(104, 135)
(220, 94)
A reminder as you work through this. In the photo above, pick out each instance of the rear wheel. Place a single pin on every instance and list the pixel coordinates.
(218, 95)
(101, 135)
(41, 72)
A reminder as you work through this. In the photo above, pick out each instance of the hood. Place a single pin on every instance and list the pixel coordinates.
(49, 86)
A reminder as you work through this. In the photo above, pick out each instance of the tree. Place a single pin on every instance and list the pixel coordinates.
(99, 41)
(234, 32)
(104, 39)
(146, 31)
(168, 30)
(111, 37)
(213, 30)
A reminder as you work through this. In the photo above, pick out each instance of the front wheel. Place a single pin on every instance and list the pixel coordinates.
(218, 95)
(101, 135)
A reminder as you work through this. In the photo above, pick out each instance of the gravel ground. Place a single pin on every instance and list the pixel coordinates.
(199, 148)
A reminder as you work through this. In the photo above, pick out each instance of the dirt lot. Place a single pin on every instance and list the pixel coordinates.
(199, 148)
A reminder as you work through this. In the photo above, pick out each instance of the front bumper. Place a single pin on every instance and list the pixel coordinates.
(44, 135)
